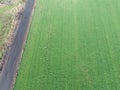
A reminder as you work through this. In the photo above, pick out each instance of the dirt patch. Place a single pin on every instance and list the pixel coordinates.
(2, 5)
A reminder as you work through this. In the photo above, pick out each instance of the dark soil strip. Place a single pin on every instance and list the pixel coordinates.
(14, 54)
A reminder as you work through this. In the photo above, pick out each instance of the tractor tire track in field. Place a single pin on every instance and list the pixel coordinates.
(13, 57)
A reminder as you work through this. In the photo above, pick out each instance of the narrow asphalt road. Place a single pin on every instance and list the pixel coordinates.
(15, 49)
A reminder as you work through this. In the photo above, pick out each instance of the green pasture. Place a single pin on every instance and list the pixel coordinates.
(72, 45)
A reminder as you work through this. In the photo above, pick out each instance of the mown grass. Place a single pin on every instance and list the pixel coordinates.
(72, 45)
(5, 8)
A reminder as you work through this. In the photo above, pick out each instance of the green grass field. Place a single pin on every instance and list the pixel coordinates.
(72, 45)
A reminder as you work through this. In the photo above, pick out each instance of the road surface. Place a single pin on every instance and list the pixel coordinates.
(16, 48)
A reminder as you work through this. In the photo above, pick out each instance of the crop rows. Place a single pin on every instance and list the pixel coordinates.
(72, 45)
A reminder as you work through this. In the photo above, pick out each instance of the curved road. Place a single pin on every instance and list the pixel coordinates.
(8, 72)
